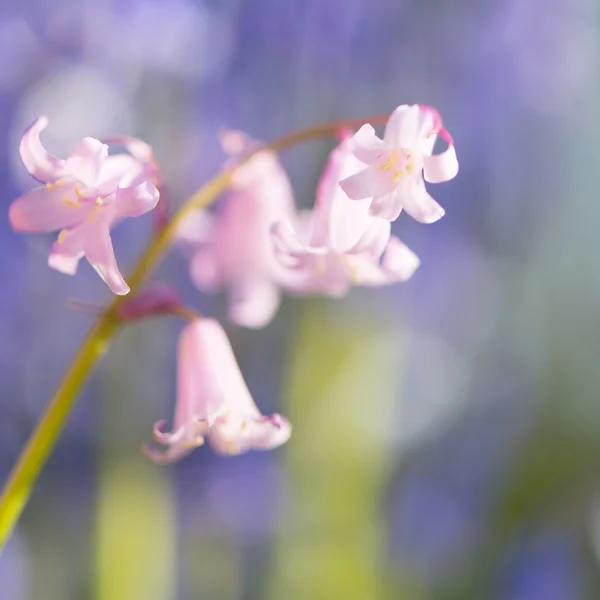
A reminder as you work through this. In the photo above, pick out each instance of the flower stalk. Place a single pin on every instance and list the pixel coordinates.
(42, 440)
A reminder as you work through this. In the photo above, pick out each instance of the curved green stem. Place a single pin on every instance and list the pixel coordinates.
(18, 488)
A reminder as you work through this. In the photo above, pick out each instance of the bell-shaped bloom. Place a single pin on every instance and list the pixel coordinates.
(399, 164)
(213, 401)
(339, 243)
(232, 249)
(84, 196)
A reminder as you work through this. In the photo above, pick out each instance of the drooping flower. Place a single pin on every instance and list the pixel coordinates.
(339, 243)
(84, 196)
(213, 401)
(232, 250)
(398, 163)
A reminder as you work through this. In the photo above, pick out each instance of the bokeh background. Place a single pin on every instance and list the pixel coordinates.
(446, 432)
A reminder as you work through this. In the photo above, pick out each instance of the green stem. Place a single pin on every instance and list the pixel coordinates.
(18, 488)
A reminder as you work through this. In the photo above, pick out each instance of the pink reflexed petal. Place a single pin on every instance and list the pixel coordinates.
(195, 229)
(399, 260)
(200, 393)
(167, 438)
(41, 165)
(440, 167)
(399, 264)
(170, 455)
(68, 251)
(375, 239)
(204, 270)
(219, 386)
(136, 201)
(143, 155)
(239, 435)
(349, 221)
(430, 121)
(402, 128)
(99, 251)
(366, 145)
(46, 209)
(341, 221)
(253, 304)
(368, 183)
(118, 170)
(236, 143)
(387, 206)
(420, 205)
(290, 250)
(86, 160)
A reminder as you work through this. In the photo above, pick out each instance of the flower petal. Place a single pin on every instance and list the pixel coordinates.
(196, 228)
(86, 160)
(41, 165)
(99, 251)
(366, 145)
(399, 264)
(375, 239)
(420, 205)
(253, 304)
(44, 209)
(167, 437)
(118, 170)
(440, 167)
(367, 183)
(138, 200)
(342, 221)
(204, 270)
(68, 251)
(387, 206)
(402, 128)
(170, 455)
(236, 436)
(399, 260)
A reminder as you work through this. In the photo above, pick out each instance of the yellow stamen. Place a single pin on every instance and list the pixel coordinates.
(398, 175)
(195, 443)
(78, 191)
(391, 162)
(62, 235)
(350, 267)
(69, 202)
(93, 213)
(55, 185)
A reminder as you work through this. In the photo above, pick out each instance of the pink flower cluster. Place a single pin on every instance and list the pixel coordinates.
(84, 196)
(259, 244)
(256, 246)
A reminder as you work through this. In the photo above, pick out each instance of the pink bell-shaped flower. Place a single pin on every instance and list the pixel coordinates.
(232, 249)
(339, 243)
(213, 401)
(84, 196)
(397, 164)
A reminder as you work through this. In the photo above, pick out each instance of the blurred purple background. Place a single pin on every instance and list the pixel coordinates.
(446, 432)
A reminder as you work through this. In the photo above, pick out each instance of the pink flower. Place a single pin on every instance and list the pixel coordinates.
(233, 249)
(339, 243)
(84, 196)
(398, 163)
(213, 401)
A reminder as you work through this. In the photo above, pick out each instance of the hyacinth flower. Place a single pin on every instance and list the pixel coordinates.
(232, 250)
(339, 243)
(399, 164)
(84, 196)
(213, 401)
(343, 241)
